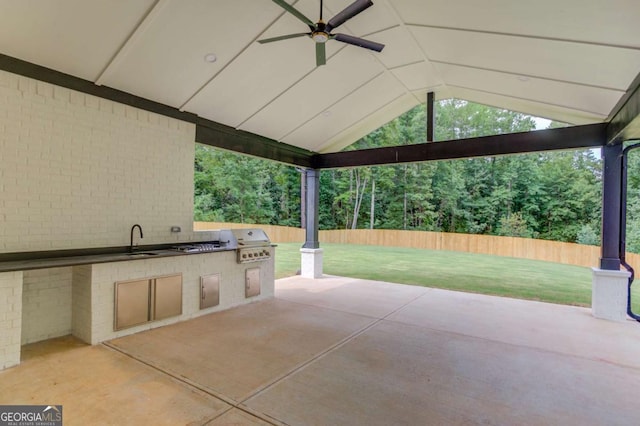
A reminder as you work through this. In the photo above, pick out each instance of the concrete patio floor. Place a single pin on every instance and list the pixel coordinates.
(342, 351)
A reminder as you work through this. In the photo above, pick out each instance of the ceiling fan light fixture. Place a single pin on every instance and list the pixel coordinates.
(320, 37)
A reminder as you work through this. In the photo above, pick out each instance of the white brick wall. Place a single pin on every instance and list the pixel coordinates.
(46, 304)
(78, 171)
(10, 318)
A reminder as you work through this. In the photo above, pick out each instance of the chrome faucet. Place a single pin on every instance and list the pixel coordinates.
(132, 228)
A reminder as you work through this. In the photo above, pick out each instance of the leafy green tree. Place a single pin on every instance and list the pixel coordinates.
(552, 195)
(571, 193)
(588, 236)
(448, 191)
(328, 215)
(284, 187)
(237, 188)
(514, 225)
(208, 197)
(633, 201)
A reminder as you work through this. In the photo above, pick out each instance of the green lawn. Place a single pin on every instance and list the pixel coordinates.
(477, 273)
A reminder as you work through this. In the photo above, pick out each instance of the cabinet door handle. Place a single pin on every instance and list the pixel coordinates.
(204, 294)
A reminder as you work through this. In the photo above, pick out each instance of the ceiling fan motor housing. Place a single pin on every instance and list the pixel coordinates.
(319, 34)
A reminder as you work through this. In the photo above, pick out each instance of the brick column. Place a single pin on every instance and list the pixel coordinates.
(10, 318)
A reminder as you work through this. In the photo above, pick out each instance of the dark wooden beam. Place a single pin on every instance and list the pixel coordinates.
(48, 75)
(215, 134)
(625, 123)
(588, 136)
(431, 117)
(220, 136)
(207, 131)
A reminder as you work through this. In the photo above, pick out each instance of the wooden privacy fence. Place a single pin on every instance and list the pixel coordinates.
(525, 248)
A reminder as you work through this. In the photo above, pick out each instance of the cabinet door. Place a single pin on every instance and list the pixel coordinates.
(132, 303)
(167, 297)
(252, 282)
(209, 291)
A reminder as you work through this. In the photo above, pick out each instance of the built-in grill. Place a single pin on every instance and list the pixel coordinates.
(253, 245)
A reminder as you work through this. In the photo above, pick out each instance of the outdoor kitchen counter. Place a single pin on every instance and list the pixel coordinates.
(56, 292)
(25, 261)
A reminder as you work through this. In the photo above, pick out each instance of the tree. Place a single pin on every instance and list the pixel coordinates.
(360, 178)
(633, 201)
(587, 235)
(237, 188)
(571, 193)
(551, 195)
(514, 225)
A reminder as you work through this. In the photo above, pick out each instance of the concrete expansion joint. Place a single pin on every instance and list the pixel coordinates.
(311, 305)
(267, 350)
(181, 379)
(331, 348)
(191, 384)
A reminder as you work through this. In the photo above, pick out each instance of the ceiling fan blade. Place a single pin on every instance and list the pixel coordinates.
(295, 12)
(357, 41)
(284, 37)
(349, 12)
(321, 54)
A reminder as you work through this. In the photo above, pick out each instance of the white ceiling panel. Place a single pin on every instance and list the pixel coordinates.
(241, 89)
(584, 98)
(581, 63)
(77, 37)
(372, 122)
(400, 48)
(536, 109)
(166, 62)
(260, 74)
(440, 93)
(355, 107)
(607, 22)
(569, 60)
(350, 68)
(422, 75)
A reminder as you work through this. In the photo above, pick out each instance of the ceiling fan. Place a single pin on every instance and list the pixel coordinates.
(321, 32)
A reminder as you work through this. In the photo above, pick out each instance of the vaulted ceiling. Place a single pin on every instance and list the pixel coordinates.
(568, 60)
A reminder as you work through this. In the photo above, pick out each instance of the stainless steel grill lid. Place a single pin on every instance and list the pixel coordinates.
(251, 237)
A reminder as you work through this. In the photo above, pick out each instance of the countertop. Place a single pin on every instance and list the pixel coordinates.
(25, 261)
